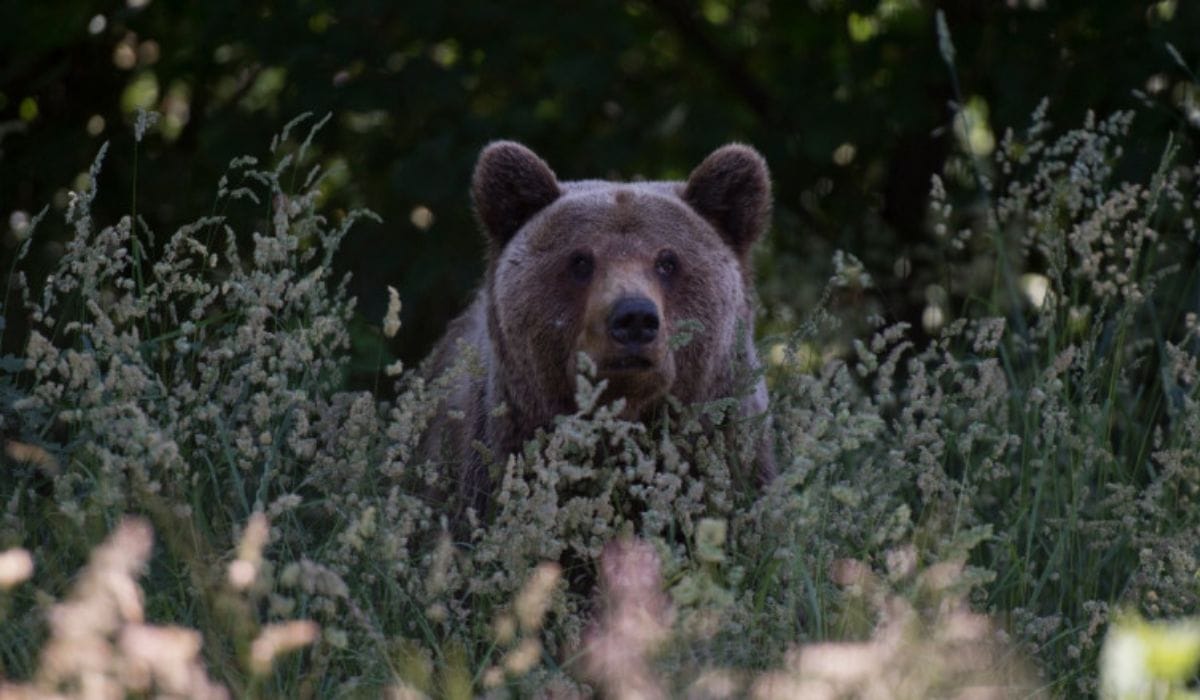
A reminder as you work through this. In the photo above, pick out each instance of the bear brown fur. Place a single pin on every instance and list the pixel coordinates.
(608, 269)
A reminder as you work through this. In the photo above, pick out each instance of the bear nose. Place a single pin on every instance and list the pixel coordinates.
(633, 321)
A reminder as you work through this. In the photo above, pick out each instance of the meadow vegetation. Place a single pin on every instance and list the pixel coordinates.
(962, 510)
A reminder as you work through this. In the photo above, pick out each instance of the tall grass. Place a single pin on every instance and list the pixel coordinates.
(961, 513)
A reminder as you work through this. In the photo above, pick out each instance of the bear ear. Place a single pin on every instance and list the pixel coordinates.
(732, 189)
(510, 185)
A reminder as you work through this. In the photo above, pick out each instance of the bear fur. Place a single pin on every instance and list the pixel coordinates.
(608, 269)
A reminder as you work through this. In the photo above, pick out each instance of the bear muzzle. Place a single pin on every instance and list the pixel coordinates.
(625, 332)
(633, 322)
(630, 343)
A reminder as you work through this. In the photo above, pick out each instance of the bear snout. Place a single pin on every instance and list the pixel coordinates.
(633, 322)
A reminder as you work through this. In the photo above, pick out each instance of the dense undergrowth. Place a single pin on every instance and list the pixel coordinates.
(966, 513)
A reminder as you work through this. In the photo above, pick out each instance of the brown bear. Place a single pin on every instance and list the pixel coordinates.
(609, 269)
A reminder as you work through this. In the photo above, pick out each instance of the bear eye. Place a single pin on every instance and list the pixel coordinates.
(666, 264)
(580, 266)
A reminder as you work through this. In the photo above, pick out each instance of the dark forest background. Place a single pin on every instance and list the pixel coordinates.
(851, 103)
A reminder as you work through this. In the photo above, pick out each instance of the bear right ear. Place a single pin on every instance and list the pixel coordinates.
(510, 185)
(732, 189)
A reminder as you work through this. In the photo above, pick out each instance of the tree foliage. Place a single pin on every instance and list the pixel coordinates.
(850, 102)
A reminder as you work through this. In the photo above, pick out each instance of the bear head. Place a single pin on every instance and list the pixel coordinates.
(614, 270)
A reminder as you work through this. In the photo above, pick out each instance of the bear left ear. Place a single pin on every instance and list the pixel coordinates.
(732, 189)
(509, 186)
